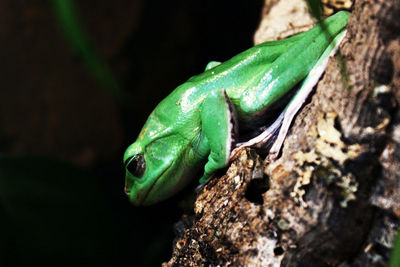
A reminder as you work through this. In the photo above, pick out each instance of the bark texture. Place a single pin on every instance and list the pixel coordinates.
(333, 197)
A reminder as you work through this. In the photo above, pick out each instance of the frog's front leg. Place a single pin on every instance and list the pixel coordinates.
(219, 126)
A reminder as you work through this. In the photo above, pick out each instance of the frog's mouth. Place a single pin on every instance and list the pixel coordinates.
(140, 197)
(153, 184)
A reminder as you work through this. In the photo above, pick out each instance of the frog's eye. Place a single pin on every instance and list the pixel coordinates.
(136, 165)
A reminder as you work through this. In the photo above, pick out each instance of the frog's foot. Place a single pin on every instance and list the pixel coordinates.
(203, 182)
(200, 187)
(261, 140)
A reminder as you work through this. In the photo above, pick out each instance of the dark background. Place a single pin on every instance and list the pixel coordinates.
(63, 133)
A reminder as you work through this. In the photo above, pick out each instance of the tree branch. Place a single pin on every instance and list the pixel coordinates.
(333, 197)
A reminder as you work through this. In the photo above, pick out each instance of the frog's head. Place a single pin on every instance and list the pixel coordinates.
(154, 170)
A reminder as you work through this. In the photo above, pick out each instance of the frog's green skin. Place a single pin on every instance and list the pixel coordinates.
(194, 124)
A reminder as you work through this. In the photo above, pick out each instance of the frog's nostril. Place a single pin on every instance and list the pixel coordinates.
(127, 191)
(128, 184)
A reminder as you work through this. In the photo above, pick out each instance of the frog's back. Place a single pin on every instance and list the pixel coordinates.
(236, 76)
(263, 74)
(255, 78)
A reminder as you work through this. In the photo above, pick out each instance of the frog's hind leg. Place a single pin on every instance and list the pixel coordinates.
(301, 96)
(283, 122)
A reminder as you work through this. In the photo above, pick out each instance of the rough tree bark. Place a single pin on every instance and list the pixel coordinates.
(333, 197)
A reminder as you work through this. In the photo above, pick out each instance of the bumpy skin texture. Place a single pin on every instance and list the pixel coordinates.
(193, 125)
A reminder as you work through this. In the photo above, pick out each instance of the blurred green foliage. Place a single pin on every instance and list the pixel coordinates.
(69, 22)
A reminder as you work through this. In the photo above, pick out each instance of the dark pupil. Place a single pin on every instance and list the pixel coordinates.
(136, 165)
